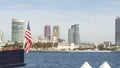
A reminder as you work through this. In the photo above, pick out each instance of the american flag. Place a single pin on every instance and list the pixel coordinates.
(28, 38)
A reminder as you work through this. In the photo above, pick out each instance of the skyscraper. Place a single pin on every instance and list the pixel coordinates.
(18, 30)
(47, 32)
(70, 35)
(56, 31)
(117, 31)
(1, 36)
(73, 34)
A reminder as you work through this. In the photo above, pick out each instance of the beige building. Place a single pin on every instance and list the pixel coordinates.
(56, 31)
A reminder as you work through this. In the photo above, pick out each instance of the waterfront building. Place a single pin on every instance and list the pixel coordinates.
(56, 31)
(70, 35)
(1, 36)
(36, 40)
(73, 34)
(117, 31)
(107, 43)
(18, 30)
(47, 32)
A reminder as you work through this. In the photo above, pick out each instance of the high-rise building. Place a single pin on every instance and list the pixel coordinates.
(1, 36)
(56, 31)
(18, 30)
(74, 32)
(47, 32)
(117, 31)
(70, 35)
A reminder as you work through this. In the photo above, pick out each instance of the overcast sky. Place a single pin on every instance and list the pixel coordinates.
(96, 18)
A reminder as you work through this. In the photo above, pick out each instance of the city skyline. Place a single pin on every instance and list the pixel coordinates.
(96, 19)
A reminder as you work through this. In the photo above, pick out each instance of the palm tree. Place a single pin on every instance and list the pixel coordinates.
(55, 45)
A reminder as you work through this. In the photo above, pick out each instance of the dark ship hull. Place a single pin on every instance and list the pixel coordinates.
(10, 58)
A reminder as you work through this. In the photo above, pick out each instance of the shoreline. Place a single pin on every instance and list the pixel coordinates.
(73, 51)
(57, 50)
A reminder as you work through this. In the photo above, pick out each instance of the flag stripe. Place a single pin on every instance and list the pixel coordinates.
(28, 38)
(27, 47)
(28, 31)
(28, 35)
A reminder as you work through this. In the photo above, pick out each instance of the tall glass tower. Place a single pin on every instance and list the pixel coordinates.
(47, 32)
(117, 31)
(70, 35)
(18, 30)
(56, 31)
(76, 36)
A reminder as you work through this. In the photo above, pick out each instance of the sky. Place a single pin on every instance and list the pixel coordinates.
(96, 18)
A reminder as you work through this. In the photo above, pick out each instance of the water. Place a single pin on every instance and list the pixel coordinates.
(70, 59)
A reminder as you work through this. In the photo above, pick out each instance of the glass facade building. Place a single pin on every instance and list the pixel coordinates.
(75, 35)
(18, 30)
(117, 31)
(56, 31)
(70, 35)
(47, 32)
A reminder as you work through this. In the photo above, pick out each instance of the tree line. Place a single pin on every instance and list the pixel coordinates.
(43, 45)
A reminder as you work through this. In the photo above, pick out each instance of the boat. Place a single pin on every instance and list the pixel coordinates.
(11, 57)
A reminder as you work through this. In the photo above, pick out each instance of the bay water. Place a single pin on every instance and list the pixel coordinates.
(70, 59)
